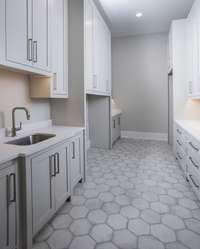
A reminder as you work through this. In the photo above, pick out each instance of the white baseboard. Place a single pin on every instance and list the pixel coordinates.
(145, 135)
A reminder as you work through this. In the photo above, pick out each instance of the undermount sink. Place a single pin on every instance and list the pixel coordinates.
(32, 139)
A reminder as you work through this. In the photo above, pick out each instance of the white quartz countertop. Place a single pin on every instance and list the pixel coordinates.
(9, 152)
(190, 126)
(116, 112)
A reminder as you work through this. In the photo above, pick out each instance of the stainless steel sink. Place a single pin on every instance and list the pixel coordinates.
(32, 139)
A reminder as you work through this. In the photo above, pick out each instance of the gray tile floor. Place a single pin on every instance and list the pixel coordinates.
(135, 196)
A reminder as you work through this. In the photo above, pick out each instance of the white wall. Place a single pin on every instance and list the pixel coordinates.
(14, 91)
(140, 82)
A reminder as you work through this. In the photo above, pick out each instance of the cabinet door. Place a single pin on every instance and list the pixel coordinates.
(8, 196)
(98, 53)
(76, 164)
(17, 27)
(89, 45)
(59, 46)
(40, 34)
(62, 186)
(43, 172)
(108, 61)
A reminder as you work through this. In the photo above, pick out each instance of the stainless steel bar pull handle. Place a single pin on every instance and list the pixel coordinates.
(57, 161)
(195, 165)
(52, 166)
(35, 59)
(193, 181)
(74, 154)
(12, 182)
(30, 50)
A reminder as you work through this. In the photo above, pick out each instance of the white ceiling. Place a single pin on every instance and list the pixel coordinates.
(157, 15)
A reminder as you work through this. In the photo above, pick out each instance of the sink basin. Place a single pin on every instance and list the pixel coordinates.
(32, 139)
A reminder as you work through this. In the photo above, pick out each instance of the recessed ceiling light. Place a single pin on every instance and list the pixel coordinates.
(139, 14)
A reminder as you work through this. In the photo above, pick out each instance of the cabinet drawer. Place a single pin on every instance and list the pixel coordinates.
(193, 164)
(194, 180)
(193, 146)
(181, 157)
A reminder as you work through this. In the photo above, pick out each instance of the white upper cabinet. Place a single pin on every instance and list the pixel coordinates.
(16, 19)
(24, 35)
(170, 51)
(57, 85)
(97, 52)
(193, 53)
(40, 39)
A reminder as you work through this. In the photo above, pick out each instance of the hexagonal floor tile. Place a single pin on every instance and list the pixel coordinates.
(101, 233)
(159, 207)
(175, 245)
(122, 200)
(173, 221)
(140, 204)
(80, 227)
(149, 242)
(193, 225)
(61, 221)
(150, 216)
(163, 233)
(111, 208)
(166, 199)
(60, 239)
(117, 221)
(94, 203)
(189, 239)
(124, 239)
(139, 227)
(82, 242)
(181, 212)
(91, 193)
(106, 197)
(150, 196)
(77, 200)
(130, 212)
(117, 191)
(187, 203)
(97, 216)
(79, 212)
(107, 245)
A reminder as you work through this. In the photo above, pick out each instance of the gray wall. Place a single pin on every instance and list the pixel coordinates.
(140, 82)
(14, 91)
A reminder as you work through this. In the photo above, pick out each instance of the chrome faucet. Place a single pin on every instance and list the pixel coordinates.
(15, 129)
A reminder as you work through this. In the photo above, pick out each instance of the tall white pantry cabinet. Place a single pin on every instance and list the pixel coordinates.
(97, 52)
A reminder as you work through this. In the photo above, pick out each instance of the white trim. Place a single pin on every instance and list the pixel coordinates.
(145, 135)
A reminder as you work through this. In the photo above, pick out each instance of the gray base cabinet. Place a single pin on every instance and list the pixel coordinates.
(49, 183)
(50, 177)
(8, 206)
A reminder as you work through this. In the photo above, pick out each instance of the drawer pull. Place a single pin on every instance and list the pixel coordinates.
(195, 165)
(179, 143)
(179, 156)
(195, 148)
(194, 183)
(179, 132)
